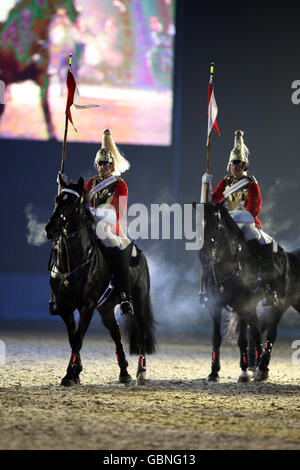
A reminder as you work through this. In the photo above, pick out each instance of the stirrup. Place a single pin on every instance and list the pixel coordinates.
(126, 305)
(271, 298)
(126, 308)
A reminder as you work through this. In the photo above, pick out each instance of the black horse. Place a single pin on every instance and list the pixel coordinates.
(234, 279)
(80, 276)
(287, 286)
(230, 280)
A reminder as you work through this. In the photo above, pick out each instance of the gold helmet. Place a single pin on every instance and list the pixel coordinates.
(240, 151)
(110, 153)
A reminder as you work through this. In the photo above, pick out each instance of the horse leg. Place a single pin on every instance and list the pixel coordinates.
(138, 338)
(251, 355)
(243, 345)
(264, 360)
(255, 348)
(142, 340)
(216, 344)
(110, 323)
(75, 365)
(43, 81)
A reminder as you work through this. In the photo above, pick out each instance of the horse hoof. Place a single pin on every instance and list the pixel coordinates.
(125, 379)
(213, 377)
(261, 375)
(141, 378)
(67, 382)
(243, 378)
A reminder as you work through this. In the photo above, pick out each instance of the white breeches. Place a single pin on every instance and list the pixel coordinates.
(108, 238)
(105, 217)
(246, 223)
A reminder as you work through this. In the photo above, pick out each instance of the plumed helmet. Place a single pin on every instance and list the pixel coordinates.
(109, 152)
(239, 151)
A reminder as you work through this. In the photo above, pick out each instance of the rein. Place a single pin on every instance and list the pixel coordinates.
(64, 239)
(212, 264)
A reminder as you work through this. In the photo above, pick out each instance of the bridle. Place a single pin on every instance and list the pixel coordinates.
(64, 236)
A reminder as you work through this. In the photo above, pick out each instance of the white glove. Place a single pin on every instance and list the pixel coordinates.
(206, 180)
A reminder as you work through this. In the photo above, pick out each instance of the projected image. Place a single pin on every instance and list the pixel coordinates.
(122, 60)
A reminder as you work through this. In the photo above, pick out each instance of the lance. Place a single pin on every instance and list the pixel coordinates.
(64, 148)
(62, 169)
(205, 191)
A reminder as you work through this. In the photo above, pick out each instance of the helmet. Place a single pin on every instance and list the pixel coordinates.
(109, 152)
(103, 155)
(240, 151)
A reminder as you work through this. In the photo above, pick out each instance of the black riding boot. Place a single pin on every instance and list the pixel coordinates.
(264, 256)
(120, 261)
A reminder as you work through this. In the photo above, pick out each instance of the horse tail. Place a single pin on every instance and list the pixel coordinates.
(231, 333)
(140, 328)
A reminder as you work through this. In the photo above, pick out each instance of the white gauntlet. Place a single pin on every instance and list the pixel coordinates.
(206, 180)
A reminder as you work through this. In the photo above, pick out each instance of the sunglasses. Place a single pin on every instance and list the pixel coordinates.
(237, 162)
(102, 163)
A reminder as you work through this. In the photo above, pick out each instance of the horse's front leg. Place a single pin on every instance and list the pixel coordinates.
(75, 365)
(243, 345)
(108, 320)
(216, 314)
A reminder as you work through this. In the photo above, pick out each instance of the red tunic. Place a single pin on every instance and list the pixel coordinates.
(252, 202)
(118, 199)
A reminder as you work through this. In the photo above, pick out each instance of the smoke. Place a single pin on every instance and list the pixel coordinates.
(36, 235)
(279, 214)
(174, 294)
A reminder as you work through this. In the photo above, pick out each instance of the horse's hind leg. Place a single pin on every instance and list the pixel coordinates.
(110, 323)
(264, 360)
(142, 340)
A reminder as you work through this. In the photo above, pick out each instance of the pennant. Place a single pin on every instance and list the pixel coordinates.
(73, 97)
(212, 110)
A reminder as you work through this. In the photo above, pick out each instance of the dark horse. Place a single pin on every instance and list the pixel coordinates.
(230, 281)
(24, 50)
(235, 280)
(80, 275)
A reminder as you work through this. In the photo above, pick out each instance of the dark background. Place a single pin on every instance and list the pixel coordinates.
(255, 48)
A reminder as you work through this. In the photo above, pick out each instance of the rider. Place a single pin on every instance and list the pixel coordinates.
(108, 194)
(242, 198)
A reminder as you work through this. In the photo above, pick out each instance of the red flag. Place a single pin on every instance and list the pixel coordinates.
(212, 110)
(73, 96)
(71, 85)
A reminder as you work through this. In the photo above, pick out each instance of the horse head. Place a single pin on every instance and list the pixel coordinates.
(70, 203)
(223, 239)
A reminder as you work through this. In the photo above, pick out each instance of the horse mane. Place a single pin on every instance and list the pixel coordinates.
(230, 223)
(86, 203)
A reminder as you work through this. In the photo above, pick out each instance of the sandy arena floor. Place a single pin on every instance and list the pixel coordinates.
(176, 409)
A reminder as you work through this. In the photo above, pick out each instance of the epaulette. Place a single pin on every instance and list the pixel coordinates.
(252, 179)
(227, 178)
